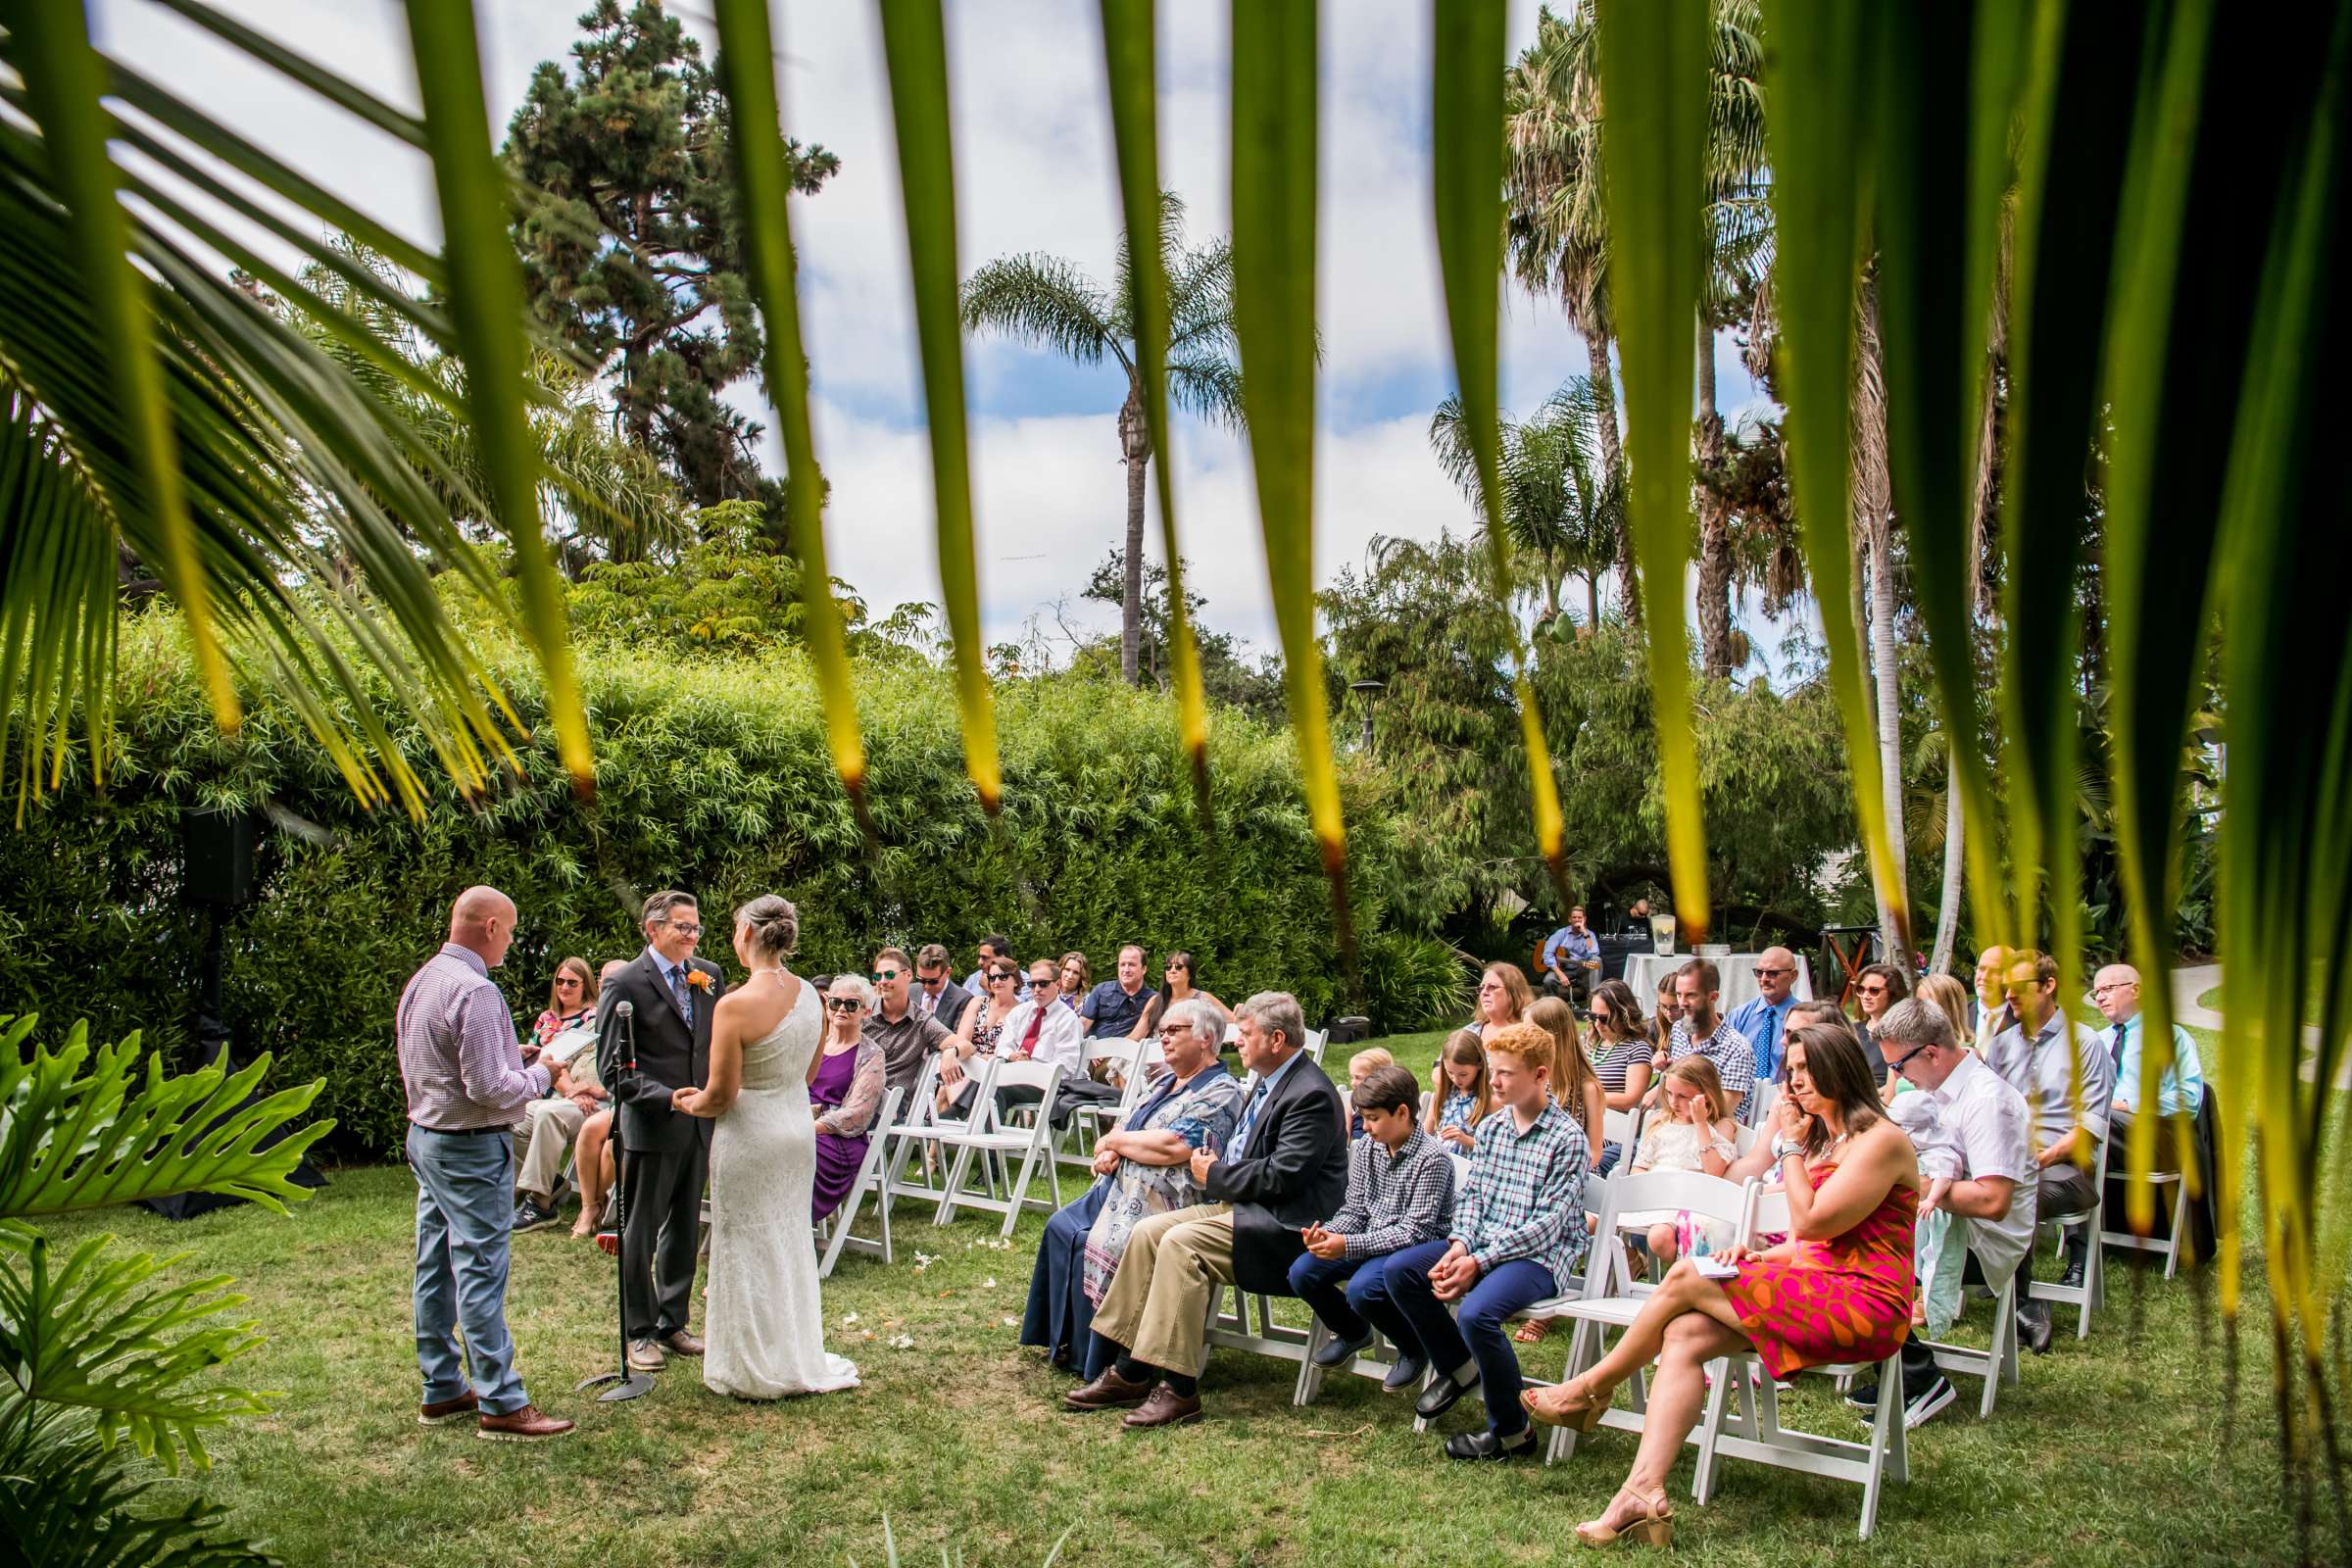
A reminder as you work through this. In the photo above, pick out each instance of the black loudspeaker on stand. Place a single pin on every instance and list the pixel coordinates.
(613, 1238)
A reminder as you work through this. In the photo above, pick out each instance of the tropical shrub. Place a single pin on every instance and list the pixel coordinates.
(710, 775)
(109, 1360)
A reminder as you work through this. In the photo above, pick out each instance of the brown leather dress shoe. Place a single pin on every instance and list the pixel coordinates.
(1109, 1392)
(683, 1343)
(441, 1412)
(527, 1424)
(1165, 1408)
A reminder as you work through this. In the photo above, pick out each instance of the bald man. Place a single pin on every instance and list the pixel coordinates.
(467, 1085)
(1992, 996)
(1764, 1017)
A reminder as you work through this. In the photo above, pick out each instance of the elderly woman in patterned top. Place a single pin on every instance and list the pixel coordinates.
(1144, 1168)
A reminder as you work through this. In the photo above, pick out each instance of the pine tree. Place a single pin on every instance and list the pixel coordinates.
(634, 251)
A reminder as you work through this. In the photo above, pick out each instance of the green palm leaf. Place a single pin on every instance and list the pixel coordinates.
(1820, 134)
(1654, 83)
(747, 66)
(486, 302)
(1129, 54)
(1467, 126)
(1274, 316)
(914, 44)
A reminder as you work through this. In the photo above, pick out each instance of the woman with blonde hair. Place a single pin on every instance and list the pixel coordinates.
(1950, 998)
(571, 1000)
(1503, 998)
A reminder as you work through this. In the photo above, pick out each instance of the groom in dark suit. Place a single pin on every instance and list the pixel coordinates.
(1285, 1167)
(664, 1155)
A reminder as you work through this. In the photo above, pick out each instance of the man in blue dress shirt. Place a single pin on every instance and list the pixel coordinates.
(1571, 958)
(1764, 1017)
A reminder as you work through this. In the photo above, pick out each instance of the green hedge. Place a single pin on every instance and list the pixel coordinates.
(712, 778)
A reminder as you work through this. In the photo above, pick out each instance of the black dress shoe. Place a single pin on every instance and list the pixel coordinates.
(1487, 1445)
(1339, 1352)
(2072, 1279)
(1404, 1375)
(1438, 1398)
(2034, 1325)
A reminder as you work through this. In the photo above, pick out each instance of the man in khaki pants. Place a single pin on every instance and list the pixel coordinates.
(1285, 1167)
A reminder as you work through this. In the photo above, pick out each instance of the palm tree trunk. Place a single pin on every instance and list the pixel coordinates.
(1593, 599)
(1955, 866)
(1135, 440)
(1612, 460)
(1874, 513)
(1714, 522)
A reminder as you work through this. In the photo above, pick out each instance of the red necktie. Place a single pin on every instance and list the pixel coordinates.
(1037, 1022)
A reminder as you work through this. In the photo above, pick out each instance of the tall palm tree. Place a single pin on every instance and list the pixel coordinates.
(1562, 501)
(1559, 242)
(1047, 302)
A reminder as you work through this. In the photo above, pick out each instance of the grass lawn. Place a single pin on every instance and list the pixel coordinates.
(958, 1438)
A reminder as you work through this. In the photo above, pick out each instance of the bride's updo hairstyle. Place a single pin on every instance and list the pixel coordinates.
(775, 926)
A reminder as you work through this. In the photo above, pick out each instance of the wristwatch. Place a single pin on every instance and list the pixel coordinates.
(1781, 1148)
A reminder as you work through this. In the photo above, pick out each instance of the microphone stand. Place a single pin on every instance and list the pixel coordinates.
(627, 1384)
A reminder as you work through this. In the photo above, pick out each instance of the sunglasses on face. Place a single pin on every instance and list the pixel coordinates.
(1874, 991)
(1601, 1016)
(1773, 974)
(1002, 979)
(1904, 1061)
(932, 982)
(844, 1003)
(570, 980)
(885, 974)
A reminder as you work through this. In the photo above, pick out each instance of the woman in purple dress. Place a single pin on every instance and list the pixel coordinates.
(845, 1091)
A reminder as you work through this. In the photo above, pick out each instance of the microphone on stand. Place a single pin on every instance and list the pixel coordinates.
(614, 1225)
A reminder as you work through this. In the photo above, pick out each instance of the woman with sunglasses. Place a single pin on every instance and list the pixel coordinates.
(845, 1093)
(1001, 987)
(571, 1000)
(1177, 984)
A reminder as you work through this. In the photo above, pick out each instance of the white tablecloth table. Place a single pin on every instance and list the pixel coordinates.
(1643, 972)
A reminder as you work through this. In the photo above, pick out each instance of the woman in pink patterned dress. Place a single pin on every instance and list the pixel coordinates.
(1838, 1290)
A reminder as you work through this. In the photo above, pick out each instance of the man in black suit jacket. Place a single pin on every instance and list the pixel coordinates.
(1285, 1167)
(664, 1155)
(938, 996)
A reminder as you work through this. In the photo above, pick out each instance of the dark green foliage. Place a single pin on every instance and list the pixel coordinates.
(1414, 982)
(711, 776)
(632, 242)
(67, 1499)
(1225, 676)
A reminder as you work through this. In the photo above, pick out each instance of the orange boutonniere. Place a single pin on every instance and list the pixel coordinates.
(699, 979)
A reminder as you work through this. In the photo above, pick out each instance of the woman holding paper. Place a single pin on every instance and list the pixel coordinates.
(1838, 1289)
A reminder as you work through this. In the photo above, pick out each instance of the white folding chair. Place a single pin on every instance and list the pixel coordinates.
(1612, 1296)
(836, 1228)
(1231, 1328)
(936, 1135)
(1753, 1431)
(1998, 1364)
(1316, 1039)
(999, 1138)
(2169, 1244)
(1744, 1136)
(2092, 1291)
(1075, 1142)
(1759, 1102)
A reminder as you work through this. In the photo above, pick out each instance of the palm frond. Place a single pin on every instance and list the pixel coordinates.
(1044, 302)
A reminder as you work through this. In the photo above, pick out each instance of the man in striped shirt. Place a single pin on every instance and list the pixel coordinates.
(1400, 1193)
(1518, 1236)
(467, 1085)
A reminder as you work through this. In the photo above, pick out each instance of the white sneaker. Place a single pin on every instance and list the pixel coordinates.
(1925, 1405)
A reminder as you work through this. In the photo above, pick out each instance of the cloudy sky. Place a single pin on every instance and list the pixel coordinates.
(1034, 172)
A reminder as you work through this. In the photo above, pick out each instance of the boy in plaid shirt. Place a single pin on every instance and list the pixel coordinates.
(1518, 1235)
(1400, 1193)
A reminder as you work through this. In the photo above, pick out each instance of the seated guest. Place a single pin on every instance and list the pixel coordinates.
(1764, 1017)
(845, 1091)
(1114, 1009)
(550, 1124)
(1177, 981)
(1992, 996)
(936, 997)
(1399, 1194)
(1668, 1010)
(1518, 1234)
(996, 947)
(570, 1001)
(1838, 1290)
(1571, 958)
(1141, 1169)
(1460, 1097)
(1878, 987)
(591, 1164)
(1699, 1030)
(1691, 1130)
(2179, 1092)
(2039, 1055)
(1970, 1133)
(898, 1023)
(1947, 993)
(1077, 978)
(1820, 1009)
(983, 1026)
(1573, 1082)
(1359, 1067)
(1284, 1168)
(1045, 1029)
(1620, 1046)
(1503, 999)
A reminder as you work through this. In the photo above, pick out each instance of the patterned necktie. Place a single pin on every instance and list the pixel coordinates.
(1240, 1131)
(684, 992)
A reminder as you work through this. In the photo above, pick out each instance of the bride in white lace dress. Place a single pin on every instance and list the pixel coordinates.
(764, 1326)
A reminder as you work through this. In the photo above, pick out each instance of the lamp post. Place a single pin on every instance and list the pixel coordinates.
(1367, 690)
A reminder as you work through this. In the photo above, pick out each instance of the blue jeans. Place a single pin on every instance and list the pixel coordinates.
(465, 1220)
(1403, 1307)
(1318, 1282)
